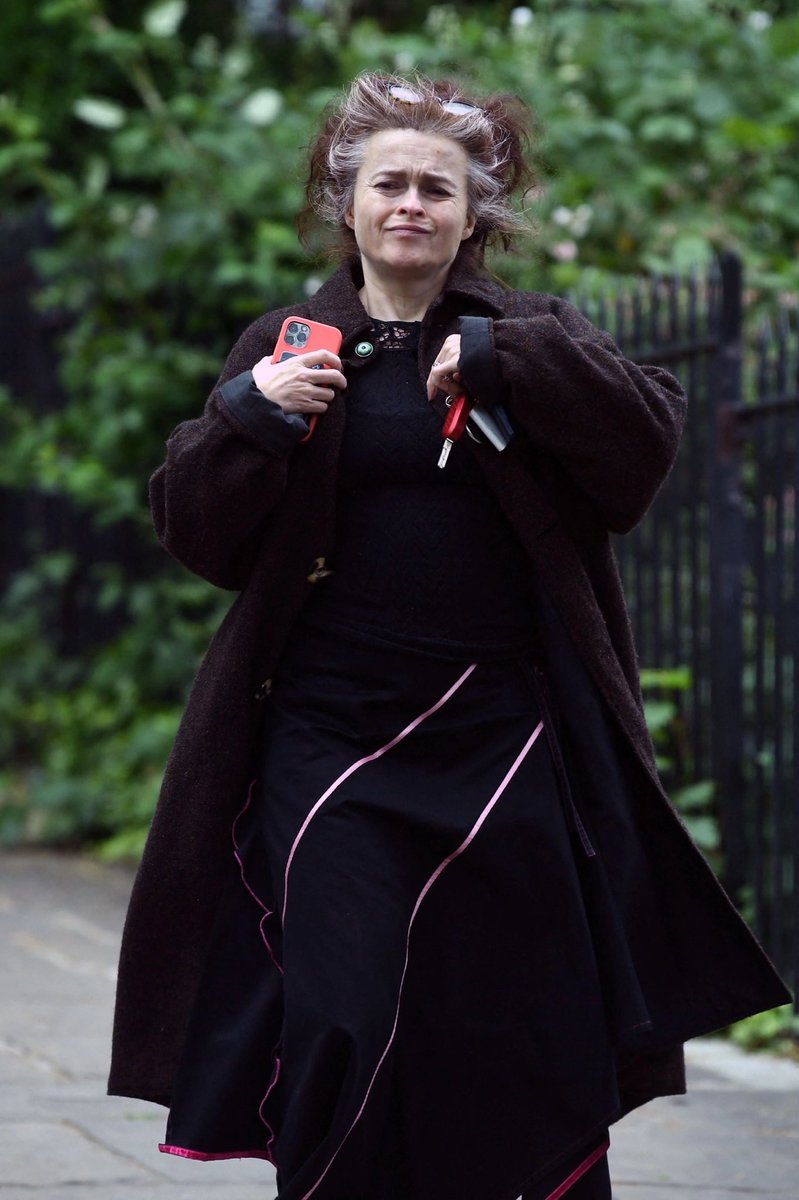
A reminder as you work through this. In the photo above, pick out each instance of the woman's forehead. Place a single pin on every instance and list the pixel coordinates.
(411, 149)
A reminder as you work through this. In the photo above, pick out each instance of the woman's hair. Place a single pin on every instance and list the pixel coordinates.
(494, 133)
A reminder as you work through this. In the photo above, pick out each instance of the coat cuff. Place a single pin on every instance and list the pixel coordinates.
(277, 430)
(478, 362)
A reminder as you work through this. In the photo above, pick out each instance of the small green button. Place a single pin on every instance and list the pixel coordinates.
(364, 349)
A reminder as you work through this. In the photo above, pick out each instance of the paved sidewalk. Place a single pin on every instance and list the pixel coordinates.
(734, 1137)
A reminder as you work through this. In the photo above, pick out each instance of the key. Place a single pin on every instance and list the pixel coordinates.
(445, 449)
(454, 425)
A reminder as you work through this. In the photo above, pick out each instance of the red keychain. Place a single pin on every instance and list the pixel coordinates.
(454, 425)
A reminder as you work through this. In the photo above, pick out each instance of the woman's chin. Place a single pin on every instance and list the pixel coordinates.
(413, 261)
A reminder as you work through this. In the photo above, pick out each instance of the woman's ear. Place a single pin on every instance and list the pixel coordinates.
(468, 229)
(349, 217)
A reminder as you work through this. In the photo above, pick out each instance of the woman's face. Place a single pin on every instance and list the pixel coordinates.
(410, 208)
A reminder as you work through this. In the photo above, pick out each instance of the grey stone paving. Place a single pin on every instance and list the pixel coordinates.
(734, 1137)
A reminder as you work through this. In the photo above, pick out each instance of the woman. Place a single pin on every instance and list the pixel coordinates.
(415, 918)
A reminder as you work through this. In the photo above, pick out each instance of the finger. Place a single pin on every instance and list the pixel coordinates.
(445, 377)
(324, 358)
(321, 395)
(322, 377)
(312, 393)
(306, 404)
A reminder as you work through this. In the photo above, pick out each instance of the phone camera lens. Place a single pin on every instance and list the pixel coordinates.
(297, 334)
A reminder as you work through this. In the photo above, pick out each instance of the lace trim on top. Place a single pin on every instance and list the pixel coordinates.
(396, 335)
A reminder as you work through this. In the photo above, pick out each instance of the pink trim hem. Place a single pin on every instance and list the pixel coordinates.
(265, 909)
(201, 1156)
(464, 845)
(362, 762)
(268, 1154)
(568, 1183)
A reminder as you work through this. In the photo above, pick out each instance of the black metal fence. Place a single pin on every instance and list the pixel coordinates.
(712, 573)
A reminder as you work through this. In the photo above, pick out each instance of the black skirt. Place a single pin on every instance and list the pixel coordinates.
(405, 996)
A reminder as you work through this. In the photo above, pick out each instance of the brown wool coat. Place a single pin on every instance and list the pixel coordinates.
(596, 436)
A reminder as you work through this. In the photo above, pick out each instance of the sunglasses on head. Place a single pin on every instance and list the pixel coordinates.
(407, 95)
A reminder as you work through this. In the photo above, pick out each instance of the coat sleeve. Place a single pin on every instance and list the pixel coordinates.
(224, 473)
(613, 426)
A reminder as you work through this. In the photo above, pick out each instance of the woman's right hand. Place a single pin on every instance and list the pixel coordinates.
(305, 383)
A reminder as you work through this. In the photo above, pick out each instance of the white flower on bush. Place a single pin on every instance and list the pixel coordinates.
(163, 20)
(759, 21)
(520, 18)
(581, 223)
(576, 220)
(97, 111)
(236, 62)
(144, 220)
(312, 284)
(565, 251)
(262, 107)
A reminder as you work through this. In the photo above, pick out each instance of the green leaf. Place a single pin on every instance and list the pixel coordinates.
(659, 714)
(59, 10)
(668, 128)
(704, 831)
(695, 796)
(756, 135)
(21, 156)
(763, 1030)
(678, 678)
(783, 37)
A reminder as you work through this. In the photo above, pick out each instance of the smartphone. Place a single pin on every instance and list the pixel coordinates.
(299, 335)
(494, 424)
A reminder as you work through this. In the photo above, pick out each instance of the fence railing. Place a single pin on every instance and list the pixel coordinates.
(766, 444)
(712, 573)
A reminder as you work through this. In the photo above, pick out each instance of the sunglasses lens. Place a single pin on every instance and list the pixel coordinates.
(458, 107)
(404, 95)
(407, 95)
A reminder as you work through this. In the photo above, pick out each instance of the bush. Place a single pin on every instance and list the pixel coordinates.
(776, 1030)
(695, 801)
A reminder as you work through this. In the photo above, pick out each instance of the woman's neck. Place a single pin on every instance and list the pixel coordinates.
(408, 301)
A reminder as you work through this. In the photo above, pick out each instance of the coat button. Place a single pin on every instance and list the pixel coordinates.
(264, 690)
(364, 349)
(318, 570)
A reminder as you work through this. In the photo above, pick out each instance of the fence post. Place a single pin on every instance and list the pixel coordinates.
(727, 527)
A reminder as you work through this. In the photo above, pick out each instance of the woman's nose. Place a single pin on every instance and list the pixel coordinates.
(411, 201)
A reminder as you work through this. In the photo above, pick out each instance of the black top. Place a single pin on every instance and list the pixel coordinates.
(424, 556)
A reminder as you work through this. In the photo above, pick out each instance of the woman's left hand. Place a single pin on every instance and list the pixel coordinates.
(444, 374)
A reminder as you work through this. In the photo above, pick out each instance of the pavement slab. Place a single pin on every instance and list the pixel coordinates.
(735, 1136)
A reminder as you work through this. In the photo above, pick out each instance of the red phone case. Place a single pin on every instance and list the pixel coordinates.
(299, 335)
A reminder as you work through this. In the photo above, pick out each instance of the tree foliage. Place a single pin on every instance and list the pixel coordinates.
(163, 146)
